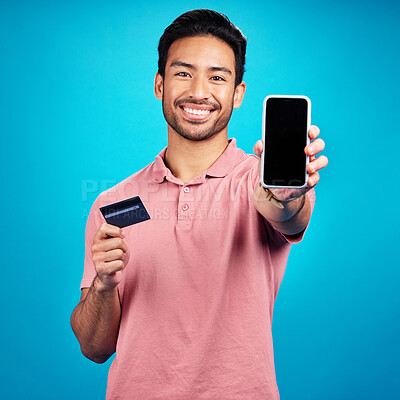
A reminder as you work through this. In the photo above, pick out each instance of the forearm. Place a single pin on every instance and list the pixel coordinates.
(291, 219)
(95, 322)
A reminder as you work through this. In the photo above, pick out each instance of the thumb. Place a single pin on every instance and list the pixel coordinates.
(258, 148)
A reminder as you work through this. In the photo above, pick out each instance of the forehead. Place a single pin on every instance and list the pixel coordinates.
(202, 51)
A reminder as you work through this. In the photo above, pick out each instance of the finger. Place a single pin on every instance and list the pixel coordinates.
(106, 230)
(110, 244)
(315, 147)
(313, 132)
(269, 196)
(317, 164)
(113, 255)
(107, 256)
(110, 267)
(313, 179)
(258, 148)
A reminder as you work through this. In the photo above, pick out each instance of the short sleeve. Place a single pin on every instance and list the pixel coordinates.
(93, 224)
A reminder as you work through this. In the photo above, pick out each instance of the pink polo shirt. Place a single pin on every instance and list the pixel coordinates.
(199, 288)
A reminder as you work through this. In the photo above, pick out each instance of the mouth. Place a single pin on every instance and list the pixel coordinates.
(196, 112)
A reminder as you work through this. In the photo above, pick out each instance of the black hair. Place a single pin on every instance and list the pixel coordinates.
(203, 23)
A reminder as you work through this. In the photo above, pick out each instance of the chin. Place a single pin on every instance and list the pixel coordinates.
(195, 137)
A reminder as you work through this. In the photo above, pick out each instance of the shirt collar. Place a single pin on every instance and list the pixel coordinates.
(221, 167)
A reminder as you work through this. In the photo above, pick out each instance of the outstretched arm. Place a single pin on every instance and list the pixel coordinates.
(288, 210)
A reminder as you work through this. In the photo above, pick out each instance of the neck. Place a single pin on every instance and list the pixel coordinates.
(187, 158)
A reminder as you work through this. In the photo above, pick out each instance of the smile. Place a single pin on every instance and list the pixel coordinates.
(196, 112)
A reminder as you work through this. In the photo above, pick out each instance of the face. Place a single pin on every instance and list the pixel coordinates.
(198, 90)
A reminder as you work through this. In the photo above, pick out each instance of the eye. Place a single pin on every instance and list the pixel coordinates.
(184, 74)
(218, 78)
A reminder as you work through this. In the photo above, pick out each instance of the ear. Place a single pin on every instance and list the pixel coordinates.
(239, 93)
(158, 86)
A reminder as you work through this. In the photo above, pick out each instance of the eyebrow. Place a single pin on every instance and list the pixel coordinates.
(191, 66)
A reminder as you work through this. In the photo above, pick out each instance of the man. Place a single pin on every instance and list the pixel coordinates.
(186, 298)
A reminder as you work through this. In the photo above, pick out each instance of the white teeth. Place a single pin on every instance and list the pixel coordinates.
(196, 112)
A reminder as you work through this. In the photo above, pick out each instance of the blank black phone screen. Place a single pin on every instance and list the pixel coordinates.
(285, 140)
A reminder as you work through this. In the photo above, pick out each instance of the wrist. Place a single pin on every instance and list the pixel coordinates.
(291, 209)
(298, 204)
(101, 288)
(296, 219)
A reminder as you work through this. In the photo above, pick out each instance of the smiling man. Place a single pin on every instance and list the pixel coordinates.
(185, 299)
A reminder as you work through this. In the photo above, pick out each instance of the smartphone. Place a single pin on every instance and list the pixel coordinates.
(286, 122)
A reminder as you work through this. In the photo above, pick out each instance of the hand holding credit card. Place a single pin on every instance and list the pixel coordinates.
(126, 212)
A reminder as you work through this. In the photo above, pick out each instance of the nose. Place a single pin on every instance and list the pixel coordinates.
(199, 88)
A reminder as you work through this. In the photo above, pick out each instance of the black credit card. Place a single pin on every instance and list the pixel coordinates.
(126, 212)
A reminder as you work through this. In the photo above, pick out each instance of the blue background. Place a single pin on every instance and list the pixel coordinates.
(78, 115)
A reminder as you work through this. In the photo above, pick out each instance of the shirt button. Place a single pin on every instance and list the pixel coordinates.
(186, 189)
(185, 207)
